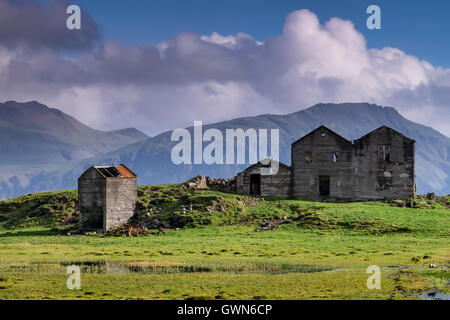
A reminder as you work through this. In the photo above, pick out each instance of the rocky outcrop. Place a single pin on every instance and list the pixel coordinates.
(202, 182)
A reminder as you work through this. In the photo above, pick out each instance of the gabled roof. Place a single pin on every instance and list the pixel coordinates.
(322, 127)
(121, 171)
(388, 128)
(268, 165)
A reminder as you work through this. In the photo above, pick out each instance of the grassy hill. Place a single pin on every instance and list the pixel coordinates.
(226, 246)
(177, 206)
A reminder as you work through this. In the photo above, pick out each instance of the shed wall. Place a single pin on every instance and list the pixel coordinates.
(121, 198)
(91, 199)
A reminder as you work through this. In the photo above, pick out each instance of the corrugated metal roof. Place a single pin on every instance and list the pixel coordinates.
(115, 171)
(124, 172)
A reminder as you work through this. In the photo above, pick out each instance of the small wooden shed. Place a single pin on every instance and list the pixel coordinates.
(107, 197)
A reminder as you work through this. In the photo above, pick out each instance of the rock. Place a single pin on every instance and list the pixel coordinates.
(398, 203)
(431, 196)
(202, 182)
(165, 225)
(432, 265)
(272, 224)
(199, 182)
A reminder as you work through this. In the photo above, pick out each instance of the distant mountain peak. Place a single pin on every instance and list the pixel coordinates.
(27, 103)
(150, 157)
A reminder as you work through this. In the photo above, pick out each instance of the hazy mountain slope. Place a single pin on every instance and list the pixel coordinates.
(35, 139)
(151, 159)
(34, 133)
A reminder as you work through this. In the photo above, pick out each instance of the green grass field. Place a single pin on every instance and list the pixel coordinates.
(217, 249)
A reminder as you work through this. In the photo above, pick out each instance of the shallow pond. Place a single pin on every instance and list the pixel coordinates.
(436, 295)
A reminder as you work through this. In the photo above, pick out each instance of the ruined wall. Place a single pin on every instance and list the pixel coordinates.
(351, 171)
(275, 184)
(91, 199)
(121, 197)
(391, 179)
(324, 146)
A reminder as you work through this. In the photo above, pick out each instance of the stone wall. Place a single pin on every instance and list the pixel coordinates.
(391, 179)
(347, 171)
(273, 184)
(330, 155)
(121, 198)
(202, 182)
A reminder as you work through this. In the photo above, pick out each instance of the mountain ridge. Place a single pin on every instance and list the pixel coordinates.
(36, 139)
(150, 157)
(358, 119)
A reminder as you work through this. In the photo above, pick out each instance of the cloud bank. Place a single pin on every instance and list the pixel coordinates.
(212, 77)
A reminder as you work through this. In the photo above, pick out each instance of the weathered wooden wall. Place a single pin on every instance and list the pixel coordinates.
(91, 199)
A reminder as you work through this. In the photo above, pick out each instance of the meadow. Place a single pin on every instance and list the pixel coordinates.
(203, 244)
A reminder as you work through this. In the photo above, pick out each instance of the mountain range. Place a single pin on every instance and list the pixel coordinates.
(45, 149)
(36, 140)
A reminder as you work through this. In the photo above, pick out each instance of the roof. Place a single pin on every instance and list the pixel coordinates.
(121, 171)
(388, 128)
(366, 135)
(267, 163)
(322, 127)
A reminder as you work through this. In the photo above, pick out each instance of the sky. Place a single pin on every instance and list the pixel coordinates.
(160, 65)
(420, 28)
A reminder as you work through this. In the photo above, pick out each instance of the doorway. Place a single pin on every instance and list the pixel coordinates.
(255, 184)
(324, 186)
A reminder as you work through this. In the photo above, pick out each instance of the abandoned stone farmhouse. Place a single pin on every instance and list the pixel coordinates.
(107, 197)
(326, 166)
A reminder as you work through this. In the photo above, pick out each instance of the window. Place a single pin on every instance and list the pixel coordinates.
(335, 157)
(308, 157)
(384, 153)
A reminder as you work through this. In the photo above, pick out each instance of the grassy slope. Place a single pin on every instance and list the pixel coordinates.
(218, 239)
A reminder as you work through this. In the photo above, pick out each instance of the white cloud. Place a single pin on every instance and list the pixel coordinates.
(230, 42)
(215, 77)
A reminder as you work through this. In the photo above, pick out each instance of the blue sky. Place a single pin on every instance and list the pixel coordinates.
(420, 28)
(210, 60)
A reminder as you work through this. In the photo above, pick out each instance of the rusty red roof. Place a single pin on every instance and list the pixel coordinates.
(121, 171)
(125, 172)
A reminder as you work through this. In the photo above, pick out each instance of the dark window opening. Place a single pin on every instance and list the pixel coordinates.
(255, 184)
(308, 157)
(110, 172)
(335, 157)
(324, 185)
(384, 153)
